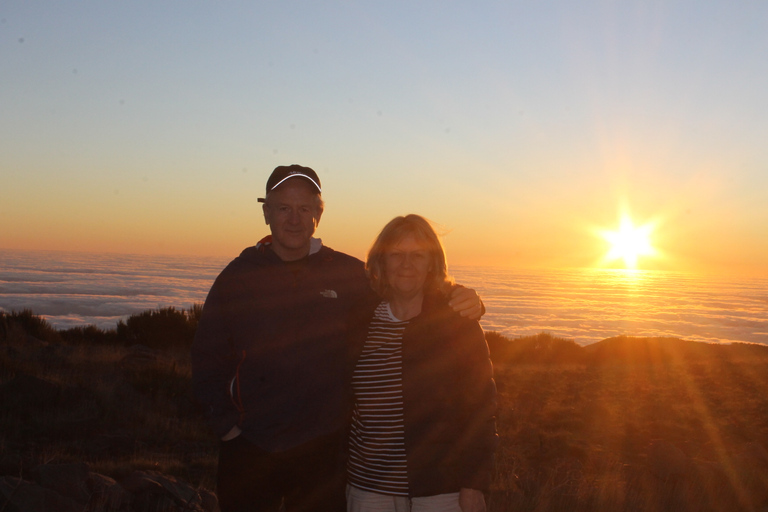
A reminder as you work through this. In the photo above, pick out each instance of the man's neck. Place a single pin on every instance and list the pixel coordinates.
(287, 254)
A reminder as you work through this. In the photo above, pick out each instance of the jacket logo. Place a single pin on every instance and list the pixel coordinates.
(329, 294)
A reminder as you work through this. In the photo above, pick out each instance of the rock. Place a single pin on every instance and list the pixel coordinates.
(138, 482)
(73, 488)
(209, 501)
(23, 496)
(181, 491)
(99, 483)
(157, 502)
(152, 482)
(69, 480)
(106, 494)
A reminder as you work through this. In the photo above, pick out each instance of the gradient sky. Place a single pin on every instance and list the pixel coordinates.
(520, 128)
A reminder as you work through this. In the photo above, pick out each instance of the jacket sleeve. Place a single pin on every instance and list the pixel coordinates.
(477, 407)
(214, 362)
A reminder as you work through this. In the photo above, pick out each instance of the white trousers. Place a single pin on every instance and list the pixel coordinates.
(359, 500)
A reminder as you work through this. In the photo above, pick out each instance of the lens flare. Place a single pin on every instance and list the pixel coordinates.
(629, 243)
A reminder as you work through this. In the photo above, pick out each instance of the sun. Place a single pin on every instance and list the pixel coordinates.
(629, 243)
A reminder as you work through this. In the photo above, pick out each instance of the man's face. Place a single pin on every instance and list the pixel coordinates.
(292, 213)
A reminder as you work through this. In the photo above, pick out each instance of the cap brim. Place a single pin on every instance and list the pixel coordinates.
(298, 175)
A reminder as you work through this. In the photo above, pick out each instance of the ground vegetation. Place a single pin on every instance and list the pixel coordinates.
(626, 424)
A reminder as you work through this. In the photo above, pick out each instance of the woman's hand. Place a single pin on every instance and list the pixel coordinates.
(471, 500)
(466, 302)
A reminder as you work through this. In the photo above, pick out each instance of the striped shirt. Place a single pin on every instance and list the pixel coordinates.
(377, 460)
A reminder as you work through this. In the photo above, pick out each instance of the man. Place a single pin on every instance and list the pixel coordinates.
(270, 361)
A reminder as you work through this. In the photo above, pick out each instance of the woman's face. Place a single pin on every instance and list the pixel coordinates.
(406, 267)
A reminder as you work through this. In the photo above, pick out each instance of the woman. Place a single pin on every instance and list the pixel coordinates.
(423, 430)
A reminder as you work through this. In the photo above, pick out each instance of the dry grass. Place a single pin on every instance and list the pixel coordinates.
(103, 405)
(667, 435)
(626, 425)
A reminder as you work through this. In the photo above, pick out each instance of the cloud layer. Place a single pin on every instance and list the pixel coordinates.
(71, 289)
(591, 305)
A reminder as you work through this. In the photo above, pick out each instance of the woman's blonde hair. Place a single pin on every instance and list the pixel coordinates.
(395, 231)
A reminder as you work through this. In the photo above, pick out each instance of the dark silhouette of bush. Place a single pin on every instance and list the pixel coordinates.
(193, 315)
(542, 348)
(29, 323)
(88, 335)
(159, 328)
(499, 346)
(661, 350)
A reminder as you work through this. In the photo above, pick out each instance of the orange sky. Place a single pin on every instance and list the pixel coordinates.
(521, 130)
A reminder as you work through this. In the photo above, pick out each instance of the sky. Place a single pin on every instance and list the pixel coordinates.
(524, 130)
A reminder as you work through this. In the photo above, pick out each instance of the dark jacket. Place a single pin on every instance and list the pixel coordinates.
(449, 399)
(270, 349)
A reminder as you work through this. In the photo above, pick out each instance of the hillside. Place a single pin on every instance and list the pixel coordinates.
(624, 424)
(632, 424)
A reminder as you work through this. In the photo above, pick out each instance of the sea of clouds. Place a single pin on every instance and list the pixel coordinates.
(71, 289)
(586, 305)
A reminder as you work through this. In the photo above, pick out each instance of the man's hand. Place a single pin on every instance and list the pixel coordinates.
(471, 500)
(232, 434)
(466, 302)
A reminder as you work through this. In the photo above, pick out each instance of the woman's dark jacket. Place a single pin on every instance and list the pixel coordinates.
(449, 399)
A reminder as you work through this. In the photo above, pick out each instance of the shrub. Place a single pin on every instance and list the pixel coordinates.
(88, 335)
(160, 328)
(541, 348)
(33, 325)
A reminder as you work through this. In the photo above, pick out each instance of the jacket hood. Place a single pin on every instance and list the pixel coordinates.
(260, 249)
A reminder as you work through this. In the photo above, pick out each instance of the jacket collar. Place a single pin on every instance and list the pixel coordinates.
(315, 244)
